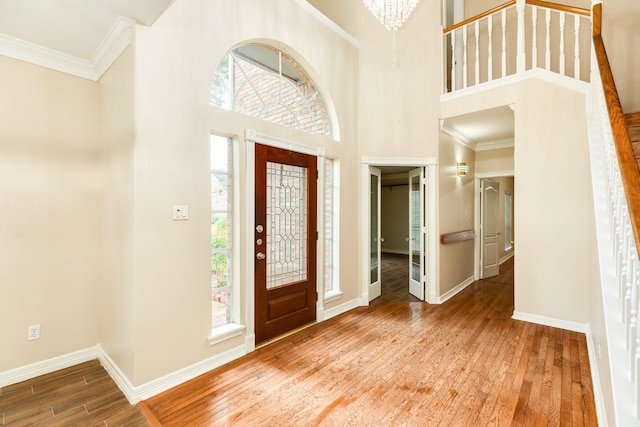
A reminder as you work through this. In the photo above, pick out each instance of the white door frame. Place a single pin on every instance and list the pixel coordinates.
(431, 166)
(477, 209)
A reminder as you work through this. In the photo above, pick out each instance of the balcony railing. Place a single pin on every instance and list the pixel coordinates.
(513, 38)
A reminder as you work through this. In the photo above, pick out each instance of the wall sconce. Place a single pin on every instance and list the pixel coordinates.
(461, 169)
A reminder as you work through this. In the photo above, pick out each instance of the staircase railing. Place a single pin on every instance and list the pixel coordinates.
(616, 183)
(518, 36)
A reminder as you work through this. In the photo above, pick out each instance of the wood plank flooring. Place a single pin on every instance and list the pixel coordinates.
(82, 395)
(462, 363)
(398, 362)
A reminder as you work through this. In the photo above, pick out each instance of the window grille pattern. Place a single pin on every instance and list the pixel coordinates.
(264, 82)
(221, 229)
(330, 226)
(287, 231)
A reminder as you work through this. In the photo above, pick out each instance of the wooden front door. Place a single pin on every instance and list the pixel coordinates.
(285, 241)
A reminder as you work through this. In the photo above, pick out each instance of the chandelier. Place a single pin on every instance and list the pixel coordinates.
(391, 13)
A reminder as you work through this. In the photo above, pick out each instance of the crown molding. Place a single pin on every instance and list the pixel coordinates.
(495, 145)
(457, 136)
(111, 47)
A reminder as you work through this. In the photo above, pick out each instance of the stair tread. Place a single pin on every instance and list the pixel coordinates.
(632, 119)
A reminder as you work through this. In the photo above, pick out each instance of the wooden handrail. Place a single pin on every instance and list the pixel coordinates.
(626, 160)
(560, 7)
(479, 16)
(540, 3)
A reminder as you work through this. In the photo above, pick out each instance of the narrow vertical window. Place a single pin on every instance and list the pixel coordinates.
(508, 221)
(331, 228)
(221, 229)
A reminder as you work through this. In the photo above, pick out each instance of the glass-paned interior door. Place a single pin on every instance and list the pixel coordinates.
(417, 231)
(374, 233)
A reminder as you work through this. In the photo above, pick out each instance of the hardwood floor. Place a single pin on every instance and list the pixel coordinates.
(462, 363)
(398, 362)
(82, 395)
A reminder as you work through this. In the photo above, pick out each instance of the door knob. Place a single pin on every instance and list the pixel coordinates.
(260, 255)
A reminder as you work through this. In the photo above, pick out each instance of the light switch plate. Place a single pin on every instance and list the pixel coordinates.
(180, 212)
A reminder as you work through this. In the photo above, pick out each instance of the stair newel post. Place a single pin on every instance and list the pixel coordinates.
(521, 58)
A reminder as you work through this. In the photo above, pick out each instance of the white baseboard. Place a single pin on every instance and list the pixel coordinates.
(595, 379)
(550, 321)
(506, 257)
(145, 391)
(342, 308)
(453, 292)
(33, 370)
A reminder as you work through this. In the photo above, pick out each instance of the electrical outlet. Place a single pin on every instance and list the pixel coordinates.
(33, 332)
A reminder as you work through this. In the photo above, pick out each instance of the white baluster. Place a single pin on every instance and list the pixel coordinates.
(504, 43)
(465, 71)
(453, 61)
(547, 53)
(534, 47)
(490, 63)
(521, 49)
(477, 65)
(576, 49)
(562, 54)
(633, 321)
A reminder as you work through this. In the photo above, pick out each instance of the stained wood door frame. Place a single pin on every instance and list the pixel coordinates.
(477, 210)
(432, 239)
(251, 138)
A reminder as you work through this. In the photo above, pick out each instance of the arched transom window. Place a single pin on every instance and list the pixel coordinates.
(264, 82)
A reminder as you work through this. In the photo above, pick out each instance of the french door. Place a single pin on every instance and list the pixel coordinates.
(375, 185)
(417, 233)
(285, 240)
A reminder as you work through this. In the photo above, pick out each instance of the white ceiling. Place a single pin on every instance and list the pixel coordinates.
(483, 130)
(82, 37)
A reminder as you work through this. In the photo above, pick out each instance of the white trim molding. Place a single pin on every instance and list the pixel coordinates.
(251, 135)
(135, 394)
(342, 308)
(110, 49)
(453, 292)
(551, 321)
(47, 366)
(328, 22)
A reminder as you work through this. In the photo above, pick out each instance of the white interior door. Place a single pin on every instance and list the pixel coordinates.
(490, 191)
(374, 233)
(417, 233)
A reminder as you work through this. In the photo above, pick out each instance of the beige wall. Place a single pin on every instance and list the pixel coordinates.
(117, 133)
(394, 218)
(89, 173)
(549, 196)
(621, 35)
(51, 181)
(173, 119)
(455, 210)
(491, 161)
(397, 105)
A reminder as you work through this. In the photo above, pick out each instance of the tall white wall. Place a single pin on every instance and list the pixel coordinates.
(51, 181)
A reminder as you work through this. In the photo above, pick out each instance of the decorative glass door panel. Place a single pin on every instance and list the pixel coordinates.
(286, 217)
(285, 240)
